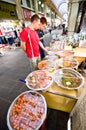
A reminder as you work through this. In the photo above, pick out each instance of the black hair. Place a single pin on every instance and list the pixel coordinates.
(43, 20)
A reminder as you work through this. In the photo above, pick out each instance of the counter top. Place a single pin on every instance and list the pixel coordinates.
(79, 52)
(61, 99)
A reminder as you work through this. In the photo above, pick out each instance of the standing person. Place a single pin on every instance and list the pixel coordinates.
(30, 41)
(43, 24)
(50, 29)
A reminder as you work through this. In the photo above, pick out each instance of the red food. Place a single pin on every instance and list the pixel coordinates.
(27, 114)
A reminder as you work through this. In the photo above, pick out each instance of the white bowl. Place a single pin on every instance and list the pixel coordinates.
(39, 80)
(24, 116)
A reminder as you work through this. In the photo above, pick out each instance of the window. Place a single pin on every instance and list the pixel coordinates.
(28, 3)
(32, 4)
(40, 6)
(21, 2)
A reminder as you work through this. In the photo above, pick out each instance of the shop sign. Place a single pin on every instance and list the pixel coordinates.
(7, 11)
(26, 14)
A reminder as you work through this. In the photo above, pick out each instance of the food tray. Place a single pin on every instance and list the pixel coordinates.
(39, 80)
(68, 79)
(67, 62)
(65, 53)
(27, 112)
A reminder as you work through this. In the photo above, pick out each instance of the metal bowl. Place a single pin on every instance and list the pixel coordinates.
(68, 79)
(27, 111)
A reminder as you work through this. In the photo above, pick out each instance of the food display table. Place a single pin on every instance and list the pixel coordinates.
(61, 99)
(80, 54)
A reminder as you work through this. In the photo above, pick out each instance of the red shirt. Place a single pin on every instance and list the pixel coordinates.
(32, 48)
(0, 32)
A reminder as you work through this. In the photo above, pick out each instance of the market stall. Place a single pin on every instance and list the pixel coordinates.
(64, 99)
(57, 82)
(80, 54)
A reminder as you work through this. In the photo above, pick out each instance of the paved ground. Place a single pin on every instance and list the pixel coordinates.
(13, 66)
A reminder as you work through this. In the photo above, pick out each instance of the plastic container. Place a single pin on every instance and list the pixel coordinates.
(46, 64)
(65, 54)
(68, 79)
(67, 62)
